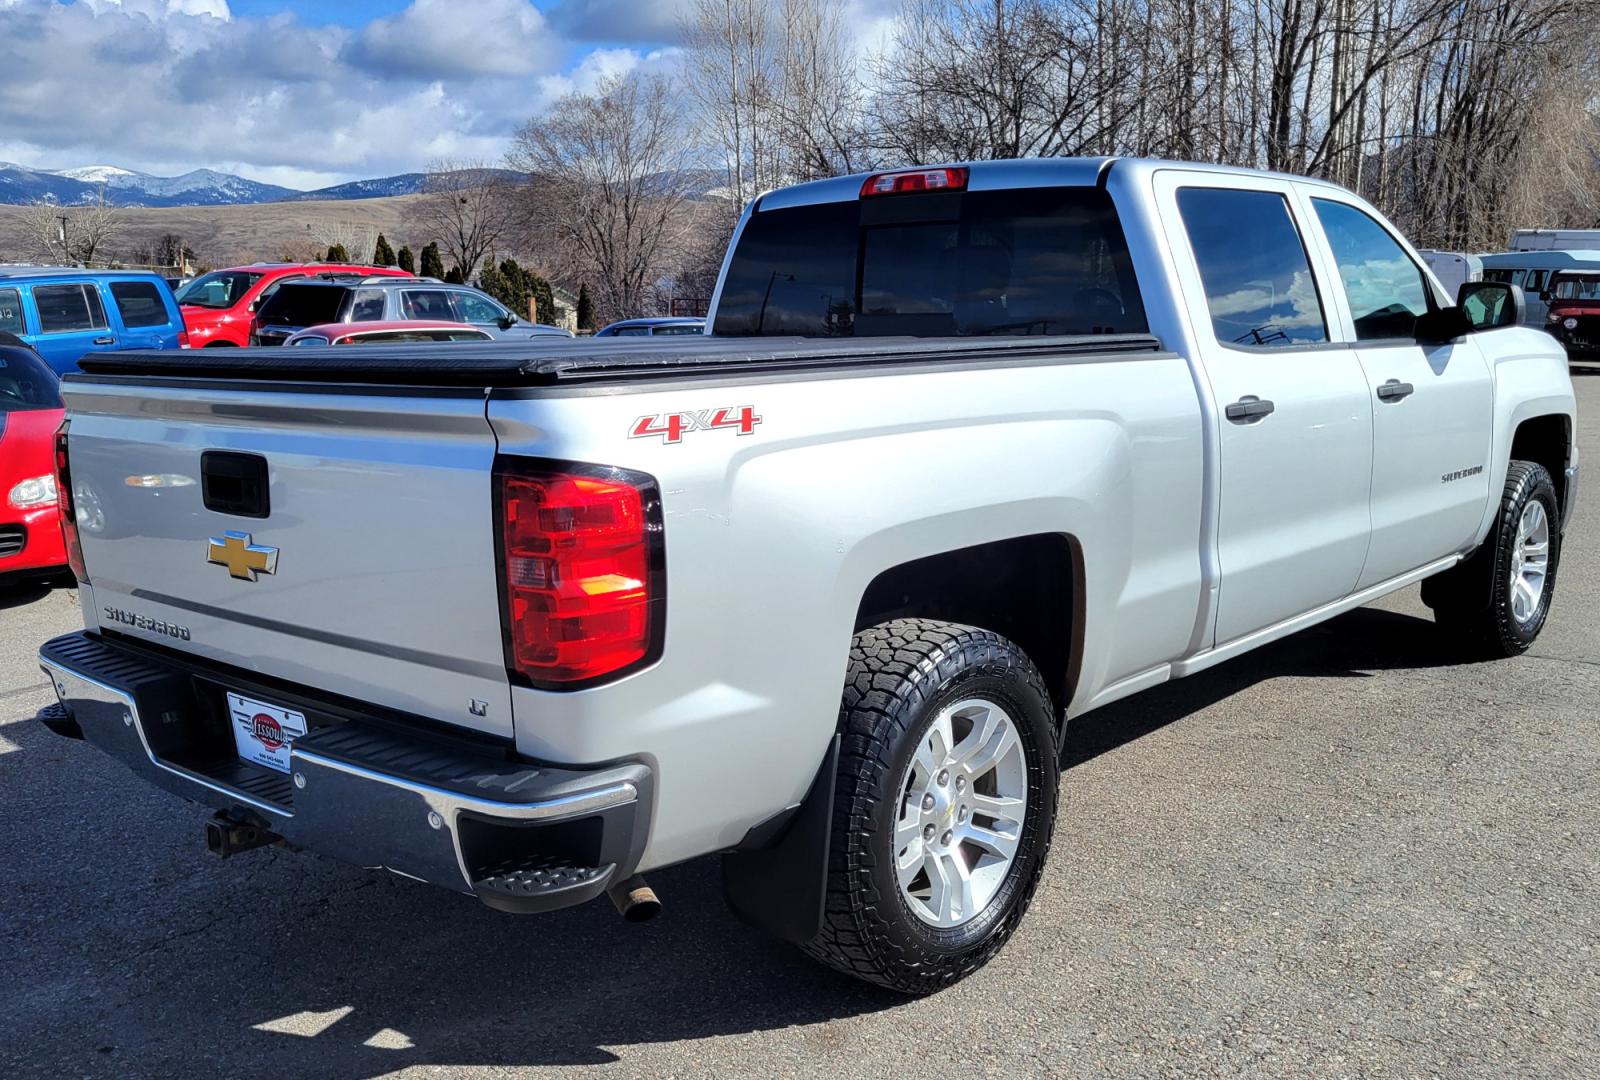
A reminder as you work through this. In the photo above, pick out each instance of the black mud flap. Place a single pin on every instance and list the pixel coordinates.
(781, 886)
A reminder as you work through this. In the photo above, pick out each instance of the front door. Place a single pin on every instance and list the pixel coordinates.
(1294, 412)
(1433, 405)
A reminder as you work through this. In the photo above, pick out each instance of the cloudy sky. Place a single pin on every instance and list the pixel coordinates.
(303, 93)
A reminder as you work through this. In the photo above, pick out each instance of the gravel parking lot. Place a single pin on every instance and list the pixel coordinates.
(1345, 854)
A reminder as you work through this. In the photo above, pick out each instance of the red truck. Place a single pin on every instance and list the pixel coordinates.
(1574, 315)
(217, 306)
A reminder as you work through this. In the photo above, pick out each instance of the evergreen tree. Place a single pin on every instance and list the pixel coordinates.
(407, 261)
(491, 282)
(432, 265)
(337, 254)
(382, 253)
(585, 308)
(544, 299)
(453, 276)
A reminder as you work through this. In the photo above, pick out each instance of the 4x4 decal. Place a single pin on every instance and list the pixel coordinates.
(672, 427)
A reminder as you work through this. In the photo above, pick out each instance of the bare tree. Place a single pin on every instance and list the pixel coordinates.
(357, 239)
(71, 235)
(468, 207)
(609, 187)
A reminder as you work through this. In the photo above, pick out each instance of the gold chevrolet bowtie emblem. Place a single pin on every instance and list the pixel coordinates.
(243, 559)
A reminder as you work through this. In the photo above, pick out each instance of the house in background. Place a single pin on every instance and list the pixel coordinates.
(566, 312)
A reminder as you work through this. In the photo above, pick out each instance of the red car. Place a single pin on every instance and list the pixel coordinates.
(217, 306)
(30, 515)
(1574, 317)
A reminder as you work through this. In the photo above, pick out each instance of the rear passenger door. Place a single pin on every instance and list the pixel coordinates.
(1433, 405)
(430, 304)
(72, 321)
(1293, 412)
(140, 306)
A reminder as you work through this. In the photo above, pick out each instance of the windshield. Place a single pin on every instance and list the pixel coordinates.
(222, 289)
(1046, 261)
(26, 382)
(1578, 288)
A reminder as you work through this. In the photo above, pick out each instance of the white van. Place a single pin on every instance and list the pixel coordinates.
(1555, 240)
(1532, 270)
(1452, 268)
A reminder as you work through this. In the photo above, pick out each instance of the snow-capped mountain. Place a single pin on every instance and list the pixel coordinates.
(124, 187)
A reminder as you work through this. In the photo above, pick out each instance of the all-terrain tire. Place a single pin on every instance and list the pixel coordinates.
(901, 675)
(1473, 601)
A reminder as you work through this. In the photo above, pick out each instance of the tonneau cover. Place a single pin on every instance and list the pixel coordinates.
(545, 363)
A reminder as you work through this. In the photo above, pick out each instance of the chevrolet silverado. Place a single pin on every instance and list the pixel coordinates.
(968, 452)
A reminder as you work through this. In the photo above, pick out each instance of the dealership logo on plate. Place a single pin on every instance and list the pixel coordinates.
(268, 730)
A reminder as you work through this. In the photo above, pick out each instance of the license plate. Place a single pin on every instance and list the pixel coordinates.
(263, 732)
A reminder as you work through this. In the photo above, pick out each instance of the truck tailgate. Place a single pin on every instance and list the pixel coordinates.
(376, 527)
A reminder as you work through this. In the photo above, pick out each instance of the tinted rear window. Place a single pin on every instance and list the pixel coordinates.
(302, 305)
(139, 303)
(26, 382)
(1045, 261)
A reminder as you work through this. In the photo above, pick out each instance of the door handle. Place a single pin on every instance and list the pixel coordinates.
(1247, 409)
(105, 341)
(1395, 390)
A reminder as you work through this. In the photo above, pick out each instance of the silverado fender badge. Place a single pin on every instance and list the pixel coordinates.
(671, 427)
(243, 559)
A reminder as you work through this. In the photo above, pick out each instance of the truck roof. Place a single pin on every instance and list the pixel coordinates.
(1011, 173)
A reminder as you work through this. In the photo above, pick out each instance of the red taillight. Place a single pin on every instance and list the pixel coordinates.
(581, 572)
(69, 513)
(183, 339)
(909, 180)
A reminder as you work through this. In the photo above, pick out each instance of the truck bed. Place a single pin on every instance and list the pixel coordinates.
(532, 363)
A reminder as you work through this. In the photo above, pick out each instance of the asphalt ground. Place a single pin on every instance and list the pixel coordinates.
(1346, 854)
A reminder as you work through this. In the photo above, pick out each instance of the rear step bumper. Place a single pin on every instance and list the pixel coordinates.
(519, 835)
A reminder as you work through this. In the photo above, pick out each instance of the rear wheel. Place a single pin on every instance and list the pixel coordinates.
(944, 804)
(1499, 598)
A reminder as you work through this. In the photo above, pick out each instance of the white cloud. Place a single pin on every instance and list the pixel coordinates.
(165, 86)
(443, 38)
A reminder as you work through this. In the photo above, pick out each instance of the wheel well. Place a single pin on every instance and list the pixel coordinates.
(1545, 439)
(1028, 588)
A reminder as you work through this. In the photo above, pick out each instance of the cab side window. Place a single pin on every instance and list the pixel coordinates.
(1254, 267)
(1386, 290)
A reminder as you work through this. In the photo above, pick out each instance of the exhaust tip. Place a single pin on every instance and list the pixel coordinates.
(635, 900)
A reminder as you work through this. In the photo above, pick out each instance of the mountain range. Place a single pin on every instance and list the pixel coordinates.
(206, 187)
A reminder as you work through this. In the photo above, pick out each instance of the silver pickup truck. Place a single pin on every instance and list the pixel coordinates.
(969, 452)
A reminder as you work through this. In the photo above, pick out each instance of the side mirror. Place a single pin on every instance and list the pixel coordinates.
(1490, 305)
(254, 304)
(1442, 326)
(507, 322)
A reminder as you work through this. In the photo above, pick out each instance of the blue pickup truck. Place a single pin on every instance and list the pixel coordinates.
(64, 312)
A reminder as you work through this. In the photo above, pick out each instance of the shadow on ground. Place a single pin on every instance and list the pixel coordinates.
(132, 956)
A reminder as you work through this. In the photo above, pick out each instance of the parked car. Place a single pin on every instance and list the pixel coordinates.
(298, 305)
(65, 312)
(387, 333)
(1532, 270)
(217, 307)
(970, 451)
(661, 327)
(30, 413)
(1574, 313)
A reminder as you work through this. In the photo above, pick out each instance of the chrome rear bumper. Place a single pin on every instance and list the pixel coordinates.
(461, 813)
